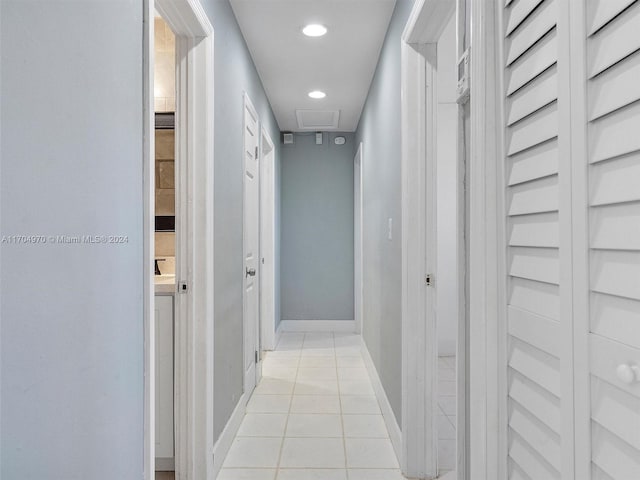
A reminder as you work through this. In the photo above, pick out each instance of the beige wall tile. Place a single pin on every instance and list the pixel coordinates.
(165, 67)
(165, 145)
(165, 244)
(165, 201)
(160, 104)
(166, 175)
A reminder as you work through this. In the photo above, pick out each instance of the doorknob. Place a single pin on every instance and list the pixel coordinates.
(249, 272)
(628, 373)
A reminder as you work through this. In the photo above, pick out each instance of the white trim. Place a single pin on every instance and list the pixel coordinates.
(419, 242)
(348, 326)
(578, 118)
(387, 412)
(487, 260)
(279, 333)
(148, 243)
(186, 18)
(566, 197)
(194, 143)
(358, 245)
(224, 442)
(267, 242)
(427, 21)
(419, 349)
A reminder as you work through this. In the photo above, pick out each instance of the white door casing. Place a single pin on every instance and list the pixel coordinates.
(193, 399)
(251, 241)
(419, 335)
(357, 236)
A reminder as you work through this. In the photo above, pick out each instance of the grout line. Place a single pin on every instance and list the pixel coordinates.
(286, 423)
(344, 435)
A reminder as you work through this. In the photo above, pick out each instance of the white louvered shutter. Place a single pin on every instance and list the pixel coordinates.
(532, 368)
(571, 198)
(613, 163)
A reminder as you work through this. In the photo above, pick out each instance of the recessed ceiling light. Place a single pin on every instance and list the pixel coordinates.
(317, 94)
(314, 30)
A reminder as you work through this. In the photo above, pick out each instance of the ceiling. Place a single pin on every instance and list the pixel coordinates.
(290, 65)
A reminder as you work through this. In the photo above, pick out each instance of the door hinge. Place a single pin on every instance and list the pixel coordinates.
(256, 356)
(256, 157)
(429, 280)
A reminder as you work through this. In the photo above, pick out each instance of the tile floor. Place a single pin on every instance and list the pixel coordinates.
(447, 417)
(314, 415)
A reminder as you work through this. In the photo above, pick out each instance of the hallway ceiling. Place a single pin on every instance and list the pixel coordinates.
(290, 65)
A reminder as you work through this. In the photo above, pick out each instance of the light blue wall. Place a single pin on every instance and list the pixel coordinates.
(72, 343)
(235, 73)
(379, 130)
(71, 129)
(317, 229)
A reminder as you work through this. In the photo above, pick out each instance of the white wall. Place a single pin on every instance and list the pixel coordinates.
(447, 173)
(71, 314)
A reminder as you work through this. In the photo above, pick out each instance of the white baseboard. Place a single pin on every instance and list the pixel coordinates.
(387, 412)
(222, 446)
(278, 335)
(346, 326)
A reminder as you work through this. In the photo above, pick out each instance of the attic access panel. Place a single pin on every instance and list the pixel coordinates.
(318, 119)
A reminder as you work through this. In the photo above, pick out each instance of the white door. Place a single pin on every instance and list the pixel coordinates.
(357, 237)
(538, 397)
(251, 210)
(571, 357)
(610, 308)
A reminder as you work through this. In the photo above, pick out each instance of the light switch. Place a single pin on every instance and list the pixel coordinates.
(390, 229)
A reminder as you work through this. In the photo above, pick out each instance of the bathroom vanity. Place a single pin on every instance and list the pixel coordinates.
(164, 326)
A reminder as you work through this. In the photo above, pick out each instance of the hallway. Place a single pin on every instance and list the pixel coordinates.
(314, 415)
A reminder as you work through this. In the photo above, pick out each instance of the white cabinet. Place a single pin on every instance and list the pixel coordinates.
(164, 382)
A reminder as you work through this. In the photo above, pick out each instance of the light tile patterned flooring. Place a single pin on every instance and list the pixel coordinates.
(314, 416)
(447, 414)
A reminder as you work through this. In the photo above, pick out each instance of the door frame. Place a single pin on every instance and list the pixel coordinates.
(358, 250)
(267, 243)
(423, 30)
(248, 383)
(487, 261)
(193, 395)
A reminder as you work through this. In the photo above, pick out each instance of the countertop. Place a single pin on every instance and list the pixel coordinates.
(165, 284)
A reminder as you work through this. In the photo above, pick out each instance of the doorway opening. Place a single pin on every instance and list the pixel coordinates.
(449, 303)
(165, 246)
(268, 232)
(178, 240)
